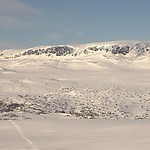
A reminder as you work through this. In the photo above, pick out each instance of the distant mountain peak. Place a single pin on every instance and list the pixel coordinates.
(134, 48)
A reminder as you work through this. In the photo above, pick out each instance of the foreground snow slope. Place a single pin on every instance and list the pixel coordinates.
(64, 134)
(96, 80)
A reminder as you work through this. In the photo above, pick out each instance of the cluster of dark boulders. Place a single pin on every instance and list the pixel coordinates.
(8, 107)
(120, 50)
(106, 103)
(57, 50)
(117, 49)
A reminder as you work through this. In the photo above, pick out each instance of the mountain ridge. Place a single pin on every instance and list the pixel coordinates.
(135, 48)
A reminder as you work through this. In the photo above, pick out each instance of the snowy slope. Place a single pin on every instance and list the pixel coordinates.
(135, 48)
(124, 53)
(95, 80)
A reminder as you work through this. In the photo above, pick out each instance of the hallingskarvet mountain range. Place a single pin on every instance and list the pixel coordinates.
(125, 48)
(108, 80)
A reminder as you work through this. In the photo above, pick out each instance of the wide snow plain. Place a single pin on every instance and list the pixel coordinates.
(39, 76)
(68, 134)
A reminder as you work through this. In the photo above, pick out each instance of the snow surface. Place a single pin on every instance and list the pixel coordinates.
(88, 96)
(96, 80)
(66, 134)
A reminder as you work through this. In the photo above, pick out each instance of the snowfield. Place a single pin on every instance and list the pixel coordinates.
(57, 87)
(107, 80)
(66, 134)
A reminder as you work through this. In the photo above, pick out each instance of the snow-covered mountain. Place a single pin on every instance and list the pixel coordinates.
(134, 48)
(94, 80)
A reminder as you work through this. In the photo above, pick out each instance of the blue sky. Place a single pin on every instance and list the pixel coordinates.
(27, 23)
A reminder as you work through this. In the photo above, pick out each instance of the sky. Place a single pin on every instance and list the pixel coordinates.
(29, 23)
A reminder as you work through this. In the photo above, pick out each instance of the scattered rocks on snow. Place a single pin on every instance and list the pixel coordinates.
(107, 103)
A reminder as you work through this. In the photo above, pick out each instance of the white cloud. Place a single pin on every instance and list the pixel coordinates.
(15, 14)
(15, 6)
